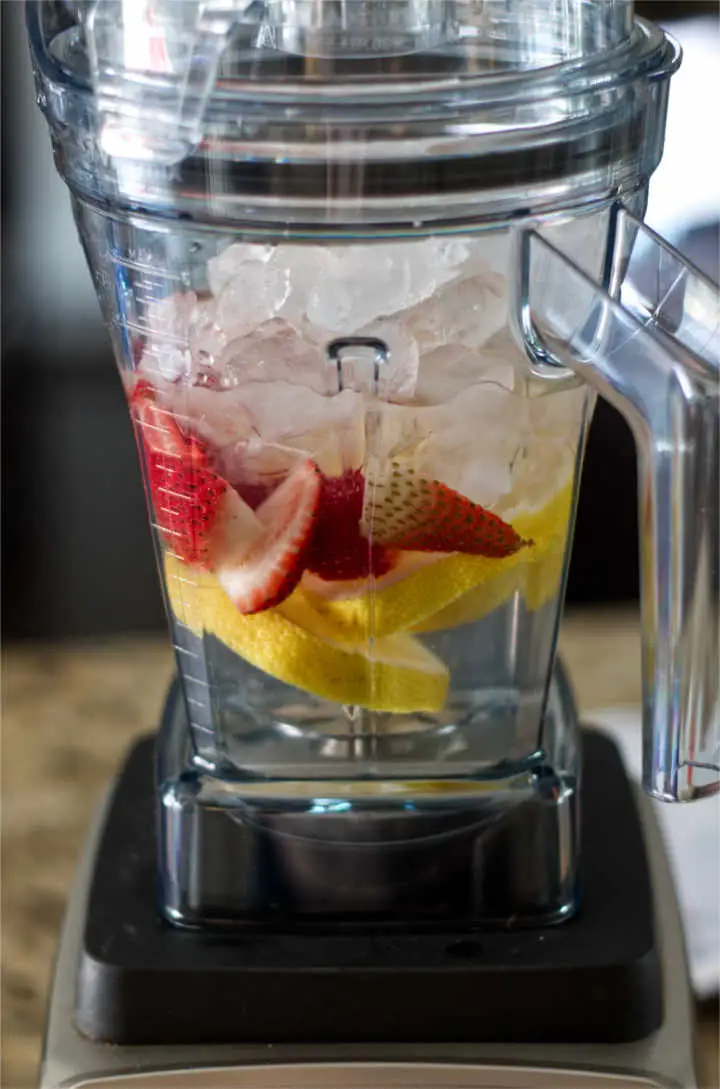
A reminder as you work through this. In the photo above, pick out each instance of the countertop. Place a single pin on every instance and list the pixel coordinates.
(71, 709)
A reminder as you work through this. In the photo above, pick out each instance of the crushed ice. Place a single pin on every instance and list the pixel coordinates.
(439, 304)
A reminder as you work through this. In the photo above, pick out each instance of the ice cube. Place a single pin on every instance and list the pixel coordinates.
(274, 351)
(166, 323)
(252, 297)
(165, 361)
(489, 252)
(207, 344)
(468, 312)
(229, 264)
(337, 289)
(276, 415)
(450, 253)
(360, 284)
(169, 317)
(477, 308)
(466, 443)
(218, 416)
(337, 298)
(489, 442)
(303, 269)
(546, 459)
(447, 372)
(329, 429)
(284, 411)
(442, 373)
(531, 441)
(474, 439)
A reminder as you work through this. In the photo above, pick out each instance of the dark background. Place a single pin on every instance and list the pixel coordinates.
(77, 558)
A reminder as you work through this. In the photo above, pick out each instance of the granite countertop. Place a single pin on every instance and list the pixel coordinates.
(70, 711)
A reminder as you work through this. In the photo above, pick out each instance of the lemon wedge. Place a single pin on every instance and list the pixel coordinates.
(313, 652)
(457, 589)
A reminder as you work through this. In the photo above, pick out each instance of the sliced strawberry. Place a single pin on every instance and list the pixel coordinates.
(236, 529)
(339, 550)
(408, 511)
(263, 575)
(188, 497)
(254, 494)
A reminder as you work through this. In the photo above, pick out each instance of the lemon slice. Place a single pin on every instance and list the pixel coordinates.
(300, 647)
(458, 589)
(336, 789)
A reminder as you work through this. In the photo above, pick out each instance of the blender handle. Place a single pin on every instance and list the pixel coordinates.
(648, 340)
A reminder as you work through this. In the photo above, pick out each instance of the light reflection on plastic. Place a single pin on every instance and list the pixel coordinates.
(329, 805)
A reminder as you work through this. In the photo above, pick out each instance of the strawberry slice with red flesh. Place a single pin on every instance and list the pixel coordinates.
(264, 574)
(188, 497)
(339, 549)
(410, 512)
(254, 494)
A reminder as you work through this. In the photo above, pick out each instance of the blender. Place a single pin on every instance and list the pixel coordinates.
(366, 265)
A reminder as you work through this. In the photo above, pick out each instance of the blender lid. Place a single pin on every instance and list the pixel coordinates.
(496, 90)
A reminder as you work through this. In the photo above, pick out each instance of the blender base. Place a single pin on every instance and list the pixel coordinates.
(592, 978)
(144, 985)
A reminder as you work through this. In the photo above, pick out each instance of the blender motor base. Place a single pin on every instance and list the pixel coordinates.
(592, 979)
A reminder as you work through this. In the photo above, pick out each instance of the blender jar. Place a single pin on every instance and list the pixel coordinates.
(302, 221)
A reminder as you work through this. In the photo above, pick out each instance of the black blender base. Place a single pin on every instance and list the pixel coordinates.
(592, 979)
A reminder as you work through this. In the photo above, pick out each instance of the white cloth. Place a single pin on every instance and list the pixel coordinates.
(692, 838)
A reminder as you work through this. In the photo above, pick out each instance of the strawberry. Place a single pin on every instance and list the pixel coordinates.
(408, 511)
(339, 550)
(253, 494)
(262, 575)
(188, 497)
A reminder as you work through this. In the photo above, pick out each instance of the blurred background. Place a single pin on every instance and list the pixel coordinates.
(77, 557)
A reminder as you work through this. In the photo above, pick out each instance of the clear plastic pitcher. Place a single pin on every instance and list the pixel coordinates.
(364, 266)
